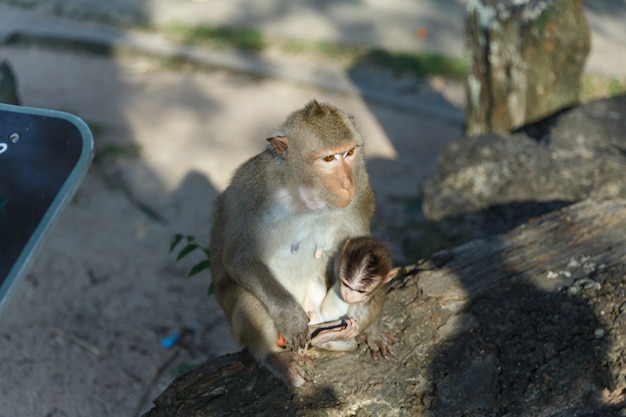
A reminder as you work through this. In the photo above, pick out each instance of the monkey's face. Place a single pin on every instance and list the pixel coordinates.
(335, 170)
(322, 149)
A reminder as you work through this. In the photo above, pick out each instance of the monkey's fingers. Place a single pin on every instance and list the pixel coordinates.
(352, 329)
(387, 352)
(383, 349)
(299, 343)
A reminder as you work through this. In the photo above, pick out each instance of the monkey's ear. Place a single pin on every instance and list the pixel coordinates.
(279, 144)
(391, 274)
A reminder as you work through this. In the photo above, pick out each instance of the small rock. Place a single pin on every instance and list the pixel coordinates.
(587, 284)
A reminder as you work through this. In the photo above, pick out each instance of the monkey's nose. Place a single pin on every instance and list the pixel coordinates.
(346, 180)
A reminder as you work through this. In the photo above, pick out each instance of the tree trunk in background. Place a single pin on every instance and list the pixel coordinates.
(526, 58)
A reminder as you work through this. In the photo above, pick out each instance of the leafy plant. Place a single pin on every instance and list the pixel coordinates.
(190, 245)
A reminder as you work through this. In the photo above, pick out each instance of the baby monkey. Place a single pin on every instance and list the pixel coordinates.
(356, 299)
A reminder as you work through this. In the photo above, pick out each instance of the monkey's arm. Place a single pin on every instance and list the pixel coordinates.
(288, 315)
(237, 259)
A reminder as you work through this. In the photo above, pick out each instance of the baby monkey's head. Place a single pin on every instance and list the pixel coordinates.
(365, 265)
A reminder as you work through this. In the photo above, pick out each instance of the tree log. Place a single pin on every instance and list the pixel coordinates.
(527, 323)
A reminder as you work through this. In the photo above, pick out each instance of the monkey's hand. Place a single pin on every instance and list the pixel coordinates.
(351, 330)
(292, 324)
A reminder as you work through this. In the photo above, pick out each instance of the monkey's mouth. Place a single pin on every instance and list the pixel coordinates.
(342, 200)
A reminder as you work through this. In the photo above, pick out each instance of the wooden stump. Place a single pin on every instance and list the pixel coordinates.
(525, 61)
(526, 323)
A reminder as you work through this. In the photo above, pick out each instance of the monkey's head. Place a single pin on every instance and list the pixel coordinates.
(364, 265)
(323, 155)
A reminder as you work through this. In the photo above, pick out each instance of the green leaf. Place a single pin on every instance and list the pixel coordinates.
(175, 241)
(200, 266)
(211, 289)
(186, 251)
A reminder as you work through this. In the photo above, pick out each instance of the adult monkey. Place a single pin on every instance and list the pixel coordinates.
(277, 226)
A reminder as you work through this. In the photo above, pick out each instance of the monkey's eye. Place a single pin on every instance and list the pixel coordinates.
(329, 158)
(350, 152)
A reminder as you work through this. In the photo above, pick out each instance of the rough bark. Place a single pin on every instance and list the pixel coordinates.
(526, 60)
(529, 323)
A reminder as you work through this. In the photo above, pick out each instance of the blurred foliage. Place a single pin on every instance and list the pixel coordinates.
(330, 50)
(251, 40)
(112, 151)
(241, 38)
(420, 64)
(594, 87)
(617, 87)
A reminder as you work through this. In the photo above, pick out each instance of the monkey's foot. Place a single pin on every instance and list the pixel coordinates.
(381, 344)
(285, 366)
